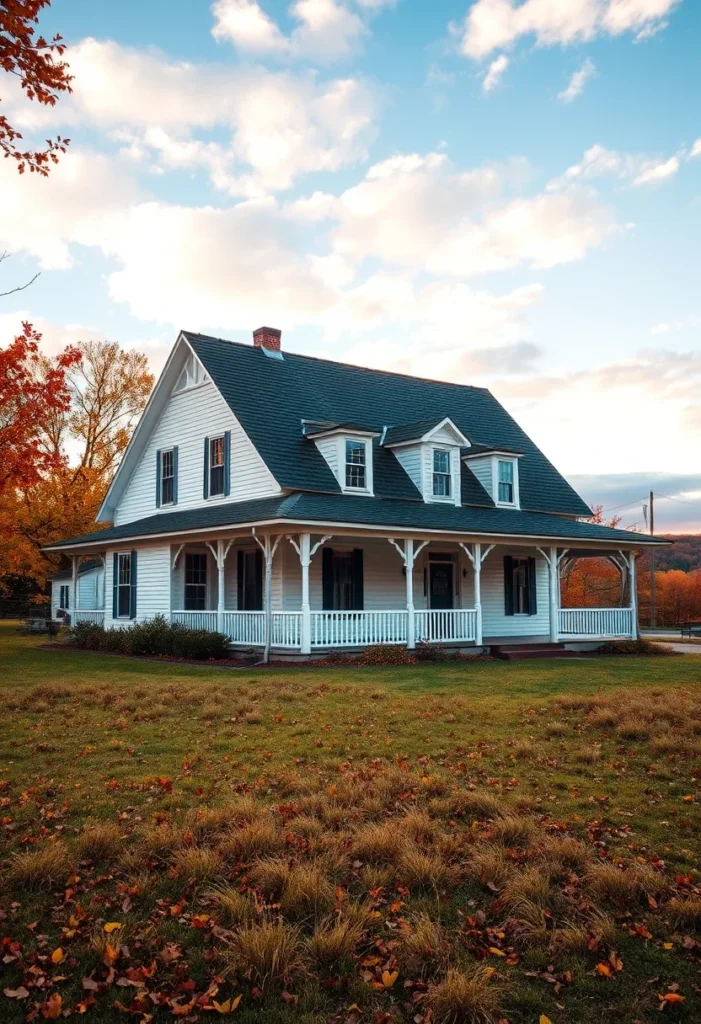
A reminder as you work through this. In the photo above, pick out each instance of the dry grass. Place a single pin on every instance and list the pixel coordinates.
(333, 944)
(420, 870)
(199, 863)
(45, 868)
(512, 830)
(101, 842)
(307, 893)
(686, 911)
(490, 866)
(423, 946)
(380, 843)
(258, 838)
(623, 884)
(462, 998)
(270, 955)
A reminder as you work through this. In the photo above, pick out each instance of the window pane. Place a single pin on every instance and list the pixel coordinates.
(124, 570)
(124, 602)
(522, 599)
(355, 464)
(506, 493)
(506, 472)
(217, 452)
(441, 462)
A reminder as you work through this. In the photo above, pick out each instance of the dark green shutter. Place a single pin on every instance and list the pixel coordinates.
(258, 600)
(132, 587)
(532, 589)
(115, 585)
(357, 563)
(158, 478)
(239, 580)
(205, 489)
(508, 585)
(227, 462)
(327, 588)
(175, 475)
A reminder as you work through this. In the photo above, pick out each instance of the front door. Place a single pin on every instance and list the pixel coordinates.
(440, 585)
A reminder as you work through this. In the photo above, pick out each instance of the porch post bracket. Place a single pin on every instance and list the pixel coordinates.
(320, 543)
(402, 551)
(560, 558)
(176, 556)
(295, 545)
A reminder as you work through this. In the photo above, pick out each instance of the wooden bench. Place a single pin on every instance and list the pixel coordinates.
(691, 629)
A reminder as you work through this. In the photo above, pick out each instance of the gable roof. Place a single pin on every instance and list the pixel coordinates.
(270, 398)
(488, 449)
(328, 509)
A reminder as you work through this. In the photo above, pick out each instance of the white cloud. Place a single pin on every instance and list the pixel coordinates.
(494, 72)
(275, 127)
(636, 168)
(418, 211)
(326, 30)
(654, 171)
(695, 150)
(494, 24)
(578, 81)
(686, 324)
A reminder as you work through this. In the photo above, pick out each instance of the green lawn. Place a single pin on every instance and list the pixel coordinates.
(434, 843)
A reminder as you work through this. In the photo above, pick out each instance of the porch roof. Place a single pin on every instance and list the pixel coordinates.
(354, 511)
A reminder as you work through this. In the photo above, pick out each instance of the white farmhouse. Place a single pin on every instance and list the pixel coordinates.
(301, 505)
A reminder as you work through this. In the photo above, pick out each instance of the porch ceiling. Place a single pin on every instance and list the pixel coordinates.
(351, 514)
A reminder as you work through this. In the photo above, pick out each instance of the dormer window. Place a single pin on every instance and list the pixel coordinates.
(506, 494)
(442, 475)
(356, 464)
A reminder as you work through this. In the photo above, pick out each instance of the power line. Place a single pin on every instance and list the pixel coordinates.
(636, 501)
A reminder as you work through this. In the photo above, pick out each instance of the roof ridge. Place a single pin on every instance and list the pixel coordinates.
(338, 362)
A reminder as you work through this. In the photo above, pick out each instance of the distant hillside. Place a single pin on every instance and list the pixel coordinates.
(684, 555)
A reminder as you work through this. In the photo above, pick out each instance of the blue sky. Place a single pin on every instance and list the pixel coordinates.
(501, 193)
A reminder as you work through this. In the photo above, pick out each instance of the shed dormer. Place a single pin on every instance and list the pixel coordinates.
(429, 452)
(347, 448)
(497, 471)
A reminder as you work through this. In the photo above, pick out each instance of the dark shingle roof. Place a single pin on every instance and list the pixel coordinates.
(270, 397)
(67, 574)
(483, 449)
(384, 512)
(409, 431)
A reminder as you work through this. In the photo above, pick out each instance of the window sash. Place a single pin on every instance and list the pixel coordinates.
(124, 586)
(251, 590)
(195, 582)
(167, 477)
(356, 456)
(521, 591)
(216, 466)
(442, 477)
(343, 580)
(506, 482)
(63, 599)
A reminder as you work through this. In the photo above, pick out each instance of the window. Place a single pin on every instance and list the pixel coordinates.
(216, 466)
(250, 581)
(520, 586)
(64, 596)
(195, 582)
(441, 473)
(342, 580)
(167, 477)
(356, 454)
(506, 483)
(124, 586)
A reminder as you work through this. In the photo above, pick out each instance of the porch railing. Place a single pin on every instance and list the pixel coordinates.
(286, 629)
(596, 622)
(358, 629)
(196, 620)
(447, 626)
(247, 628)
(96, 615)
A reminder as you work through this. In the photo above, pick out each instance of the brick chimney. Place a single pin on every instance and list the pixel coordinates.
(267, 337)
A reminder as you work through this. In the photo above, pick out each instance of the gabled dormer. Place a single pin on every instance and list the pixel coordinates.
(497, 470)
(347, 448)
(429, 452)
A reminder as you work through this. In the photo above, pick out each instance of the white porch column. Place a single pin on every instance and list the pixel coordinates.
(74, 587)
(221, 561)
(411, 611)
(554, 597)
(633, 595)
(477, 579)
(305, 559)
(268, 548)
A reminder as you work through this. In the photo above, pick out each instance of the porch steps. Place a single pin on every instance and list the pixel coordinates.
(523, 652)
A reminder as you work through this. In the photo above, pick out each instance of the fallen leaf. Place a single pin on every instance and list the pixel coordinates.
(544, 1019)
(672, 997)
(604, 970)
(16, 993)
(112, 926)
(57, 956)
(389, 978)
(52, 1008)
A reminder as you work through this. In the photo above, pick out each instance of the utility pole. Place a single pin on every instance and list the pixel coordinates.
(653, 610)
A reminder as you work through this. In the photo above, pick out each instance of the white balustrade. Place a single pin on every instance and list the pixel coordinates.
(595, 622)
(446, 625)
(196, 620)
(358, 629)
(246, 628)
(95, 615)
(286, 629)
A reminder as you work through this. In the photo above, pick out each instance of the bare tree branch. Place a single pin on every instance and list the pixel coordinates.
(20, 287)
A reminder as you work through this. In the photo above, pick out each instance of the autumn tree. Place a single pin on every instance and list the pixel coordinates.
(32, 389)
(83, 441)
(42, 74)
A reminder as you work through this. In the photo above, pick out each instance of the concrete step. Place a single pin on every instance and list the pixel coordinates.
(524, 652)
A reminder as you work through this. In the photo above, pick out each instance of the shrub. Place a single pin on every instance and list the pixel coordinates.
(387, 654)
(433, 652)
(641, 647)
(156, 636)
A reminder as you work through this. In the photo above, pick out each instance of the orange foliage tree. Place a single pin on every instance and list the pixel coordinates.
(42, 75)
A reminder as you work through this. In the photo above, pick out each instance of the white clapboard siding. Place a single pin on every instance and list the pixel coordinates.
(410, 460)
(482, 468)
(56, 595)
(90, 589)
(188, 418)
(328, 446)
(495, 621)
(454, 472)
(152, 584)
